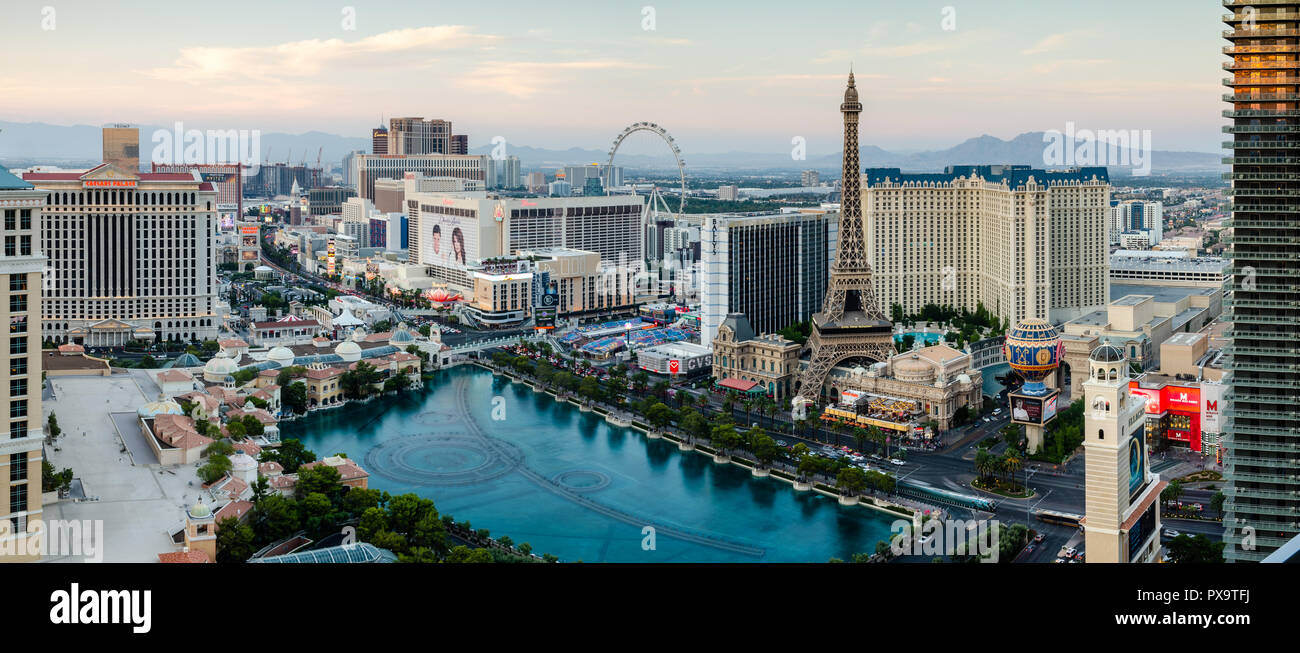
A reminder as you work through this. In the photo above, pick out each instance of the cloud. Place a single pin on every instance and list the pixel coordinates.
(525, 79)
(1054, 42)
(310, 57)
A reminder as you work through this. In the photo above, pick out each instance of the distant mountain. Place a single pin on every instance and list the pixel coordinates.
(27, 143)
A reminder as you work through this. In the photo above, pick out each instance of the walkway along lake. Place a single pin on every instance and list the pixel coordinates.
(570, 484)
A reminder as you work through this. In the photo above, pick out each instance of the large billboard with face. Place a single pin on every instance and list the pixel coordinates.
(1035, 411)
(449, 235)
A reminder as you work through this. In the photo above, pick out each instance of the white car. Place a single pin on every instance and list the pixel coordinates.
(895, 461)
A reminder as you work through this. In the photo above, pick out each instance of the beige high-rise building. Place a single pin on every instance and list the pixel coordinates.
(132, 256)
(415, 135)
(122, 147)
(1025, 243)
(21, 262)
(1121, 495)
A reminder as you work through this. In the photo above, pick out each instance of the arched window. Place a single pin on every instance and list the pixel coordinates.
(1101, 434)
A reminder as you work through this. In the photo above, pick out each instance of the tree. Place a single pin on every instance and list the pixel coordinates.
(659, 415)
(1216, 501)
(217, 466)
(253, 426)
(1195, 550)
(318, 479)
(221, 447)
(693, 424)
(724, 438)
(764, 447)
(1172, 492)
(851, 480)
(237, 430)
(234, 541)
(1011, 539)
(463, 554)
(290, 454)
(590, 388)
(294, 396)
(54, 426)
(275, 518)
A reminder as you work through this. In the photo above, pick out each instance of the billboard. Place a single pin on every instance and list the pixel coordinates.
(449, 236)
(1035, 411)
(1137, 462)
(546, 310)
(1026, 410)
(850, 397)
(1150, 395)
(1212, 408)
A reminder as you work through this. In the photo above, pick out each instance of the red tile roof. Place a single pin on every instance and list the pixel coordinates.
(194, 556)
(737, 384)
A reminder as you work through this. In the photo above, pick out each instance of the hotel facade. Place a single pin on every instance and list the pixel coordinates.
(131, 256)
(452, 233)
(1262, 434)
(1023, 242)
(20, 450)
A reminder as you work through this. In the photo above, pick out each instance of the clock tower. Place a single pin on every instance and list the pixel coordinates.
(1122, 520)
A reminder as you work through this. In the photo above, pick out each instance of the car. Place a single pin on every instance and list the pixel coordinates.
(1038, 538)
(1059, 560)
(1029, 549)
(895, 461)
(1170, 533)
(1069, 553)
(997, 411)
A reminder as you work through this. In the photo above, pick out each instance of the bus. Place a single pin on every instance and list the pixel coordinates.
(1059, 518)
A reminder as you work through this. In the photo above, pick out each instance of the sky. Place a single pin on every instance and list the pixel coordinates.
(719, 75)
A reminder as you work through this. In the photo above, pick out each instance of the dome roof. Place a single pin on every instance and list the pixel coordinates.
(348, 350)
(1107, 354)
(242, 462)
(221, 364)
(200, 511)
(282, 355)
(401, 335)
(913, 369)
(963, 378)
(160, 407)
(359, 334)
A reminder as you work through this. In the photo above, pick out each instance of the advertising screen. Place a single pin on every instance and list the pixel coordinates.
(1211, 408)
(450, 236)
(1026, 410)
(1049, 408)
(1150, 395)
(850, 397)
(1137, 463)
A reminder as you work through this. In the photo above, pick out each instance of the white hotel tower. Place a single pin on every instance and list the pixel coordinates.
(131, 256)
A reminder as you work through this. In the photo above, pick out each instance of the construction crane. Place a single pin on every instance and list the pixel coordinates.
(318, 153)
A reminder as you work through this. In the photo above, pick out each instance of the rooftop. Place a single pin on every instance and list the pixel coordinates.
(1014, 176)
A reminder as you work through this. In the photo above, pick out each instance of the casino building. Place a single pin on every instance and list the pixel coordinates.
(131, 256)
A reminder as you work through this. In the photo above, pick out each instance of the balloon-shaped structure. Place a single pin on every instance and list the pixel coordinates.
(1034, 350)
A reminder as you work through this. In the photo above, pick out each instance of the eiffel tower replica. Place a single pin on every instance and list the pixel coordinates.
(851, 324)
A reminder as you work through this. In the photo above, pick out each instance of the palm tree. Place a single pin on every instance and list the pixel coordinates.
(984, 462)
(1012, 464)
(859, 436)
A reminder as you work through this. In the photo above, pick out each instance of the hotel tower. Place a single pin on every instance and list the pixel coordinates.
(21, 261)
(1262, 433)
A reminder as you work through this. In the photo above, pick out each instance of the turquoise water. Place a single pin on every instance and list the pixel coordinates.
(929, 338)
(991, 385)
(570, 484)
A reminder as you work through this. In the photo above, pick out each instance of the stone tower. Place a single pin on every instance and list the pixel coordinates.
(1121, 496)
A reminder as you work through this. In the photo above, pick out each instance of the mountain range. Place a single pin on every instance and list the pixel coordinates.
(23, 144)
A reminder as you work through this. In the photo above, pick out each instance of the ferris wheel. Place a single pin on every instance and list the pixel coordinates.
(667, 138)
